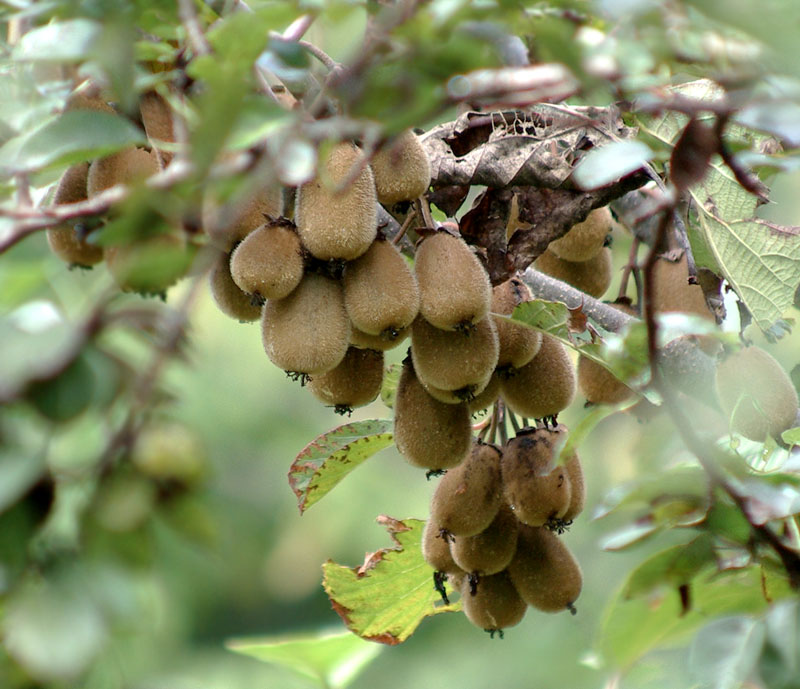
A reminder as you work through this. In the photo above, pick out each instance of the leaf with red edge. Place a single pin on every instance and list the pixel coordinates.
(327, 459)
(387, 597)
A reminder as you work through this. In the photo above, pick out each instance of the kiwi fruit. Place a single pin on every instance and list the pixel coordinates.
(592, 276)
(149, 265)
(379, 342)
(672, 291)
(64, 240)
(454, 288)
(268, 263)
(518, 344)
(537, 490)
(468, 497)
(596, 383)
(544, 571)
(356, 381)
(584, 240)
(491, 550)
(495, 603)
(158, 124)
(544, 386)
(380, 291)
(129, 166)
(466, 394)
(229, 223)
(88, 99)
(486, 397)
(756, 394)
(227, 295)
(455, 360)
(428, 433)
(338, 224)
(436, 549)
(577, 485)
(401, 168)
(307, 332)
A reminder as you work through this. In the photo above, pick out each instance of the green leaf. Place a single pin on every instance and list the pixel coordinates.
(725, 652)
(391, 377)
(580, 432)
(609, 163)
(551, 317)
(327, 459)
(18, 473)
(672, 567)
(632, 628)
(386, 598)
(792, 436)
(331, 659)
(67, 41)
(759, 260)
(75, 136)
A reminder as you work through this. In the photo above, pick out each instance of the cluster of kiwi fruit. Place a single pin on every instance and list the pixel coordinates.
(153, 261)
(493, 533)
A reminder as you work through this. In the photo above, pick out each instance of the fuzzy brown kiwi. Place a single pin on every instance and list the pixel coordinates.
(228, 223)
(268, 263)
(538, 491)
(672, 291)
(158, 124)
(129, 166)
(466, 394)
(436, 549)
(380, 291)
(64, 240)
(577, 485)
(227, 295)
(491, 550)
(596, 383)
(495, 603)
(356, 381)
(544, 571)
(592, 276)
(454, 288)
(455, 360)
(518, 344)
(383, 344)
(487, 397)
(544, 386)
(401, 168)
(584, 240)
(338, 224)
(307, 332)
(428, 433)
(468, 497)
(756, 394)
(88, 99)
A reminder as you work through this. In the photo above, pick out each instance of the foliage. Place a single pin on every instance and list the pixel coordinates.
(144, 519)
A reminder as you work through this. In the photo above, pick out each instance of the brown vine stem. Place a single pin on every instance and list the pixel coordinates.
(404, 227)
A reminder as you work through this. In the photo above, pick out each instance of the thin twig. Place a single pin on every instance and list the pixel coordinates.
(630, 267)
(320, 54)
(297, 29)
(404, 227)
(194, 32)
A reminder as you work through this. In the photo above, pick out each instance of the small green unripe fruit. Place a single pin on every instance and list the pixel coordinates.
(307, 332)
(490, 551)
(227, 295)
(454, 288)
(518, 344)
(150, 265)
(401, 168)
(269, 261)
(455, 360)
(468, 497)
(495, 604)
(338, 224)
(584, 240)
(380, 291)
(356, 381)
(592, 276)
(64, 240)
(535, 489)
(169, 451)
(428, 433)
(544, 386)
(756, 394)
(544, 571)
